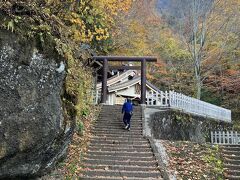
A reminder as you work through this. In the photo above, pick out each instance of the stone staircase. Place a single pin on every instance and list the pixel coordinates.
(115, 153)
(231, 161)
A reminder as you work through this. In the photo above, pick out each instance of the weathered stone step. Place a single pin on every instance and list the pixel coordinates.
(116, 128)
(120, 131)
(119, 145)
(120, 167)
(114, 178)
(231, 156)
(118, 107)
(120, 149)
(119, 158)
(105, 135)
(117, 124)
(119, 111)
(137, 139)
(99, 178)
(233, 172)
(135, 174)
(116, 121)
(120, 142)
(230, 145)
(232, 167)
(228, 177)
(116, 116)
(231, 152)
(231, 148)
(123, 163)
(117, 153)
(231, 161)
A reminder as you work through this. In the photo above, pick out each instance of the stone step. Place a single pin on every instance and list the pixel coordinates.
(114, 178)
(118, 134)
(119, 111)
(125, 135)
(130, 146)
(116, 124)
(231, 161)
(117, 153)
(134, 174)
(116, 121)
(123, 163)
(99, 178)
(228, 177)
(120, 142)
(231, 148)
(233, 172)
(120, 167)
(120, 131)
(119, 158)
(120, 149)
(230, 145)
(231, 152)
(232, 167)
(119, 107)
(117, 116)
(231, 156)
(137, 139)
(115, 128)
(106, 123)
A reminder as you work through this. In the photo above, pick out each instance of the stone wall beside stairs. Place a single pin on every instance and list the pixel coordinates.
(170, 124)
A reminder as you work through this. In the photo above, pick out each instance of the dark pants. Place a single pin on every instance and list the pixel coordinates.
(127, 119)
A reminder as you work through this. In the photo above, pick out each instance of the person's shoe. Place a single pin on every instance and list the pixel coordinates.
(126, 127)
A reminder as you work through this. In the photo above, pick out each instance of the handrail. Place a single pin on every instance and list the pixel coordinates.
(225, 137)
(188, 104)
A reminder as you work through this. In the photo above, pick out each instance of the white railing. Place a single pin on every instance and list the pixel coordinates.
(222, 137)
(96, 94)
(188, 104)
(158, 98)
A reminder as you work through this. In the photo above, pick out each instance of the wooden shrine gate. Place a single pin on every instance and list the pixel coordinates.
(143, 61)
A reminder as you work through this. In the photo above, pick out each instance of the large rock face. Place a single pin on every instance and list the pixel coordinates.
(33, 135)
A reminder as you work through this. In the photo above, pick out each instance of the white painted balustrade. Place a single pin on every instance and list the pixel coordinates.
(188, 104)
(222, 137)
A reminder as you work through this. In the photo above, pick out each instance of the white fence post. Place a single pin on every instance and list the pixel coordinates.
(211, 137)
(222, 137)
(228, 138)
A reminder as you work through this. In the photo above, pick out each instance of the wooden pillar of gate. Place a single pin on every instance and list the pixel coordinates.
(104, 81)
(143, 81)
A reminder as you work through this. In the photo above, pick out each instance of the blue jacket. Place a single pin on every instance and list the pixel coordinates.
(127, 107)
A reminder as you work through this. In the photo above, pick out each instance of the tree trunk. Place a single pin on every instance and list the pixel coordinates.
(198, 87)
